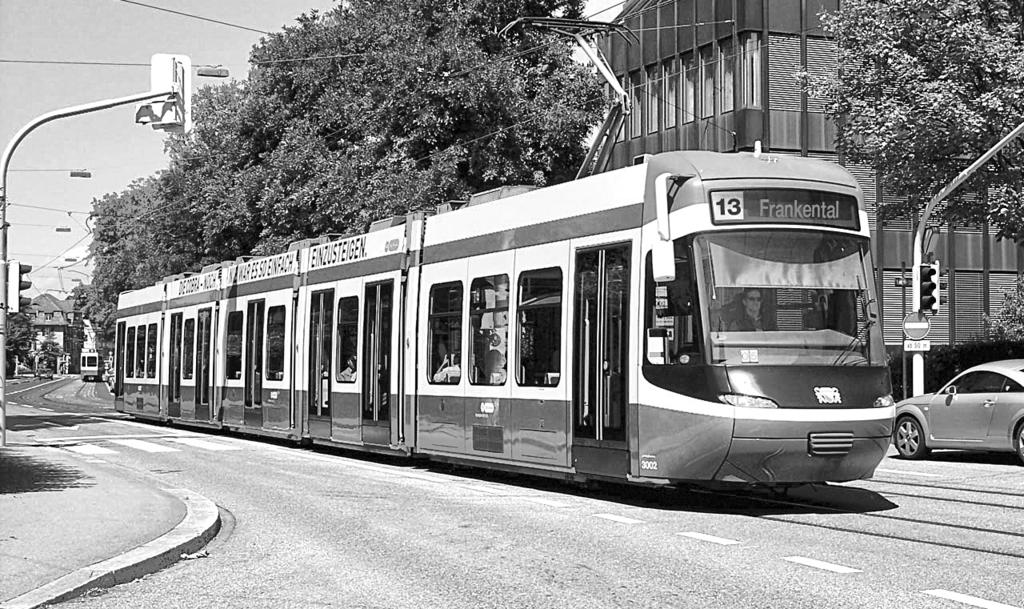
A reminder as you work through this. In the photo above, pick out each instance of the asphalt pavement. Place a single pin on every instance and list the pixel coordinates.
(69, 523)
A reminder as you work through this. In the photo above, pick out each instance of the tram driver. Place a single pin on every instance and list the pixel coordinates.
(749, 315)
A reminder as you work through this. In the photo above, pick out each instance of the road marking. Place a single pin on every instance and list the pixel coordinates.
(41, 408)
(197, 443)
(90, 449)
(149, 447)
(968, 600)
(546, 502)
(102, 437)
(817, 564)
(908, 473)
(621, 519)
(710, 538)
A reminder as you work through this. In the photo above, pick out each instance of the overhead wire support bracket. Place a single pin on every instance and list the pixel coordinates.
(585, 32)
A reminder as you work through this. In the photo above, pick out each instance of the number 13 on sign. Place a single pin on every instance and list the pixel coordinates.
(727, 205)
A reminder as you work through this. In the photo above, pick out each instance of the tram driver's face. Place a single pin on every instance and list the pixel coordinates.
(752, 302)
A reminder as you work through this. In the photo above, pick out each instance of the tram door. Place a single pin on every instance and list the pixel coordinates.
(321, 324)
(253, 375)
(119, 367)
(174, 374)
(378, 360)
(600, 358)
(204, 365)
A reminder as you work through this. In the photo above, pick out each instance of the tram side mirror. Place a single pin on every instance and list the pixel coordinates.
(662, 252)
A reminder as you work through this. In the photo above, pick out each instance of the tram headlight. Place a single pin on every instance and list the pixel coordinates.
(747, 401)
(884, 401)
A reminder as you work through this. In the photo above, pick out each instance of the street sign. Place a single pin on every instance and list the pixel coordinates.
(916, 325)
(917, 345)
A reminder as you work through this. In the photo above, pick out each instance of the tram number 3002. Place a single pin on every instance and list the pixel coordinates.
(648, 462)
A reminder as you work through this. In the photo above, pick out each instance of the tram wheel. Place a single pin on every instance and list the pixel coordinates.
(1019, 442)
(909, 439)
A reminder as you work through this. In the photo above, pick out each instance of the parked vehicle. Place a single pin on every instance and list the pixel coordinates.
(982, 408)
(44, 372)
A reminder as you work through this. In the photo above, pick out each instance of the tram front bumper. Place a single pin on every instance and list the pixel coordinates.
(792, 453)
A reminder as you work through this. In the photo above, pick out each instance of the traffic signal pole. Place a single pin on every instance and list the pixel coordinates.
(4, 162)
(918, 254)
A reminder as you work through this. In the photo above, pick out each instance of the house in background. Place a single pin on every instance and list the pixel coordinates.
(57, 317)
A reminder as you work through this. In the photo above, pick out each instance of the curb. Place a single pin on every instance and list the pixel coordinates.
(200, 525)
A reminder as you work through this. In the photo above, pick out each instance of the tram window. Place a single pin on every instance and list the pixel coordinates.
(488, 319)
(151, 352)
(129, 353)
(670, 315)
(233, 365)
(140, 353)
(348, 337)
(445, 343)
(188, 348)
(275, 343)
(540, 328)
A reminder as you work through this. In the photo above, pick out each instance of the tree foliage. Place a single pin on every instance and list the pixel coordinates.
(925, 87)
(372, 109)
(1008, 322)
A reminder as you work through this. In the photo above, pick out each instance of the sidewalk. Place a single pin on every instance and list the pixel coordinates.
(68, 524)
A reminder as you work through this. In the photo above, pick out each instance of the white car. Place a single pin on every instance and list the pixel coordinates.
(982, 408)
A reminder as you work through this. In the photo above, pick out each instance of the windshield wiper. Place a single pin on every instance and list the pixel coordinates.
(856, 339)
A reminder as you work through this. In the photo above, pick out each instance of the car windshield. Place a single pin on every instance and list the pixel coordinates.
(788, 297)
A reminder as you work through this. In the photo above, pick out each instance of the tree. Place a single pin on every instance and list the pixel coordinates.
(375, 108)
(1008, 323)
(923, 88)
(19, 341)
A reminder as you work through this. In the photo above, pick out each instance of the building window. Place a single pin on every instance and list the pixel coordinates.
(707, 81)
(48, 316)
(689, 76)
(726, 74)
(751, 70)
(635, 102)
(540, 328)
(348, 338)
(445, 322)
(233, 367)
(275, 343)
(488, 320)
(653, 99)
(670, 92)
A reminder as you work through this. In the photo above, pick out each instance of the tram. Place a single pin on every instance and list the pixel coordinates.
(697, 316)
(91, 366)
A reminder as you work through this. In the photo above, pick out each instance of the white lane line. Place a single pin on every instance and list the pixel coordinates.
(817, 564)
(41, 408)
(974, 601)
(710, 538)
(103, 437)
(90, 449)
(197, 443)
(148, 447)
(546, 502)
(902, 472)
(621, 519)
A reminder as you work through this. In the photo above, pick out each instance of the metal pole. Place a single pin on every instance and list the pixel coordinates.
(918, 255)
(4, 163)
(903, 301)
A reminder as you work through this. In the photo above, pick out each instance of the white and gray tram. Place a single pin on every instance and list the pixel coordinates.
(697, 317)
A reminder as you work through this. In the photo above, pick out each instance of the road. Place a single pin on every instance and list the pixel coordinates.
(323, 528)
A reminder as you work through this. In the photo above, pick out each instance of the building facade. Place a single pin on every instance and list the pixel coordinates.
(57, 318)
(722, 75)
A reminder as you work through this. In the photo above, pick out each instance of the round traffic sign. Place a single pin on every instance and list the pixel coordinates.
(916, 325)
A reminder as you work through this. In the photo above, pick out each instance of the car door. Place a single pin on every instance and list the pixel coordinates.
(964, 416)
(1011, 401)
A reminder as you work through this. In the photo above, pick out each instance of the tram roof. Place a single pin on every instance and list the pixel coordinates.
(745, 165)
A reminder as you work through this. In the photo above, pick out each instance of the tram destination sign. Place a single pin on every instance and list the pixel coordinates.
(784, 206)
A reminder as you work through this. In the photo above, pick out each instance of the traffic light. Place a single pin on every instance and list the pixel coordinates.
(929, 285)
(15, 284)
(171, 73)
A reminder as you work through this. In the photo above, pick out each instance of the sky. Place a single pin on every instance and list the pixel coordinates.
(51, 56)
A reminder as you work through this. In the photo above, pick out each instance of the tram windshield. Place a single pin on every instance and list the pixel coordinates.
(776, 297)
(767, 297)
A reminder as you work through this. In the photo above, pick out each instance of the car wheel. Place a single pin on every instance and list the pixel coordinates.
(909, 439)
(1019, 442)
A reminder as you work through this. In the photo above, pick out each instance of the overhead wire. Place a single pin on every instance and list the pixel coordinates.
(194, 16)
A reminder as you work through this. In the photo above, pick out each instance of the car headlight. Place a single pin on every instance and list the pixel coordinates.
(884, 401)
(747, 401)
